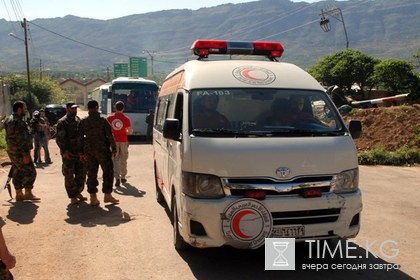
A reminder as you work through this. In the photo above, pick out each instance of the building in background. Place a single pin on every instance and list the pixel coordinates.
(78, 91)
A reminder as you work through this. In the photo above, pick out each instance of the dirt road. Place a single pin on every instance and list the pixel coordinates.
(133, 240)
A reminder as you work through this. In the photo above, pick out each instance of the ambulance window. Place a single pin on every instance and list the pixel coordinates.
(178, 108)
(161, 114)
(271, 112)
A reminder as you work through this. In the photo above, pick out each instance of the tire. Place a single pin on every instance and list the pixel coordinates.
(159, 196)
(179, 242)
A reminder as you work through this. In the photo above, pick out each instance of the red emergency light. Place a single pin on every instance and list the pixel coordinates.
(259, 195)
(308, 193)
(203, 48)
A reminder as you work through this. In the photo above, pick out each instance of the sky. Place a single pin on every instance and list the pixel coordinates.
(101, 9)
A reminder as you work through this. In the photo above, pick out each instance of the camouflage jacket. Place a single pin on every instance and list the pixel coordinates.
(18, 138)
(96, 134)
(68, 136)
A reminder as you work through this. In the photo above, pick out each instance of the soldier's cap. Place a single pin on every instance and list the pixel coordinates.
(93, 104)
(71, 104)
(41, 110)
(36, 113)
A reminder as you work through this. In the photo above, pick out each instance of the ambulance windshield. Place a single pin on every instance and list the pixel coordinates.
(263, 112)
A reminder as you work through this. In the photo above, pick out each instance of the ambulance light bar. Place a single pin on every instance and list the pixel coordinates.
(203, 48)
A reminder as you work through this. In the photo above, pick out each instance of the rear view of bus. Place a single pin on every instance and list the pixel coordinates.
(139, 97)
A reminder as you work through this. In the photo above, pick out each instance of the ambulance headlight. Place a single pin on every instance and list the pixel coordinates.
(201, 185)
(347, 181)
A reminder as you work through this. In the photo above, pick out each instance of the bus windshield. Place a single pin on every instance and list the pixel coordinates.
(137, 97)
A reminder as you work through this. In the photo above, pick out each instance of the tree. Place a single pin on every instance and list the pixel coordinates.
(42, 91)
(344, 69)
(396, 75)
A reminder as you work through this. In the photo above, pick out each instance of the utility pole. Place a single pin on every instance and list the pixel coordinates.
(325, 22)
(40, 69)
(24, 26)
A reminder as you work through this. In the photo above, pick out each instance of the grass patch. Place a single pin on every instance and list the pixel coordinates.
(2, 139)
(379, 156)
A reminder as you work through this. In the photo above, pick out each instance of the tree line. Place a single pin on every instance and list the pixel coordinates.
(342, 68)
(349, 67)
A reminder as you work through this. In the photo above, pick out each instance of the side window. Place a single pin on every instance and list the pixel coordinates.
(161, 114)
(179, 107)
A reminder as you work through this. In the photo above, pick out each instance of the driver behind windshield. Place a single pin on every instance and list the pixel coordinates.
(206, 114)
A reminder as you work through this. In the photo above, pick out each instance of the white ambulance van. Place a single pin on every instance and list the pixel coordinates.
(246, 148)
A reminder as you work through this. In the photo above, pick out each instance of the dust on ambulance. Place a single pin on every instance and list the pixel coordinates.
(254, 166)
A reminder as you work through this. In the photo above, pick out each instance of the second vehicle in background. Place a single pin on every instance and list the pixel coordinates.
(138, 95)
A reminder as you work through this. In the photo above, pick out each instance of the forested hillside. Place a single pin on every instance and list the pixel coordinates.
(382, 28)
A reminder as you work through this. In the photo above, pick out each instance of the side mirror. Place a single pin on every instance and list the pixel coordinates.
(355, 128)
(171, 129)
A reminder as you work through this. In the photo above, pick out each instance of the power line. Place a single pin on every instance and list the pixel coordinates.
(79, 42)
(10, 18)
(272, 20)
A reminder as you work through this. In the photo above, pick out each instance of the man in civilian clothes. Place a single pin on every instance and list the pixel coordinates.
(121, 128)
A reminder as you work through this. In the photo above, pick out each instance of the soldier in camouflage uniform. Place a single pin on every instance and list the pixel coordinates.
(99, 149)
(69, 141)
(19, 145)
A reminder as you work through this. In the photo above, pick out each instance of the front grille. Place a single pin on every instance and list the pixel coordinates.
(242, 192)
(294, 186)
(306, 217)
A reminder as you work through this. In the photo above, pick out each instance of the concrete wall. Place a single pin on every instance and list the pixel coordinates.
(5, 106)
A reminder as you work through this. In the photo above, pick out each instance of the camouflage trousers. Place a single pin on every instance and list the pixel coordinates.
(5, 274)
(74, 172)
(94, 160)
(24, 175)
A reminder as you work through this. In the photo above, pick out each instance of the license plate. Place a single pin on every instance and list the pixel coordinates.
(289, 231)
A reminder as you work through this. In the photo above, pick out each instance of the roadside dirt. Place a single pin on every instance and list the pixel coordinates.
(388, 127)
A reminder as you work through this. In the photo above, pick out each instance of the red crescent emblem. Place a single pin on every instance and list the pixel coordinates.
(246, 74)
(236, 223)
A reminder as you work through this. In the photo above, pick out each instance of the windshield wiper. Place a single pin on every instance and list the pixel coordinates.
(294, 132)
(315, 132)
(223, 131)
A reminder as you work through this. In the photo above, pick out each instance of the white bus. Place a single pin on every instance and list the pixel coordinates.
(139, 96)
(102, 95)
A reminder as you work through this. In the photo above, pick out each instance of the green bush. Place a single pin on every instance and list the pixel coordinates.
(380, 156)
(2, 139)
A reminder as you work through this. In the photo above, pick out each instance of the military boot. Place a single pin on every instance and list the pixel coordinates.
(29, 195)
(74, 200)
(81, 197)
(94, 200)
(109, 198)
(19, 195)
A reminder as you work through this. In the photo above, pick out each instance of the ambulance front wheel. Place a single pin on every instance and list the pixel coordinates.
(179, 242)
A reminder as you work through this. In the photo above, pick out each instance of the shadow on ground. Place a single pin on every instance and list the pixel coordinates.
(90, 216)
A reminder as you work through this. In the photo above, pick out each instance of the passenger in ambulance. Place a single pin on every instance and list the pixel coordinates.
(300, 111)
(205, 114)
(279, 113)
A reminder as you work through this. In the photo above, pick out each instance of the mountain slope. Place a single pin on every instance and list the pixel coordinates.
(381, 28)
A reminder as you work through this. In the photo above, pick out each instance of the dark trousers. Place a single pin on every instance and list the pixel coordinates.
(94, 160)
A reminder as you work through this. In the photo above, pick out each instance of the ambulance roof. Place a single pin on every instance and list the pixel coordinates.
(245, 73)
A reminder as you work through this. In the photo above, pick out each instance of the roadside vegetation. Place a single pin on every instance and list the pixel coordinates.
(380, 156)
